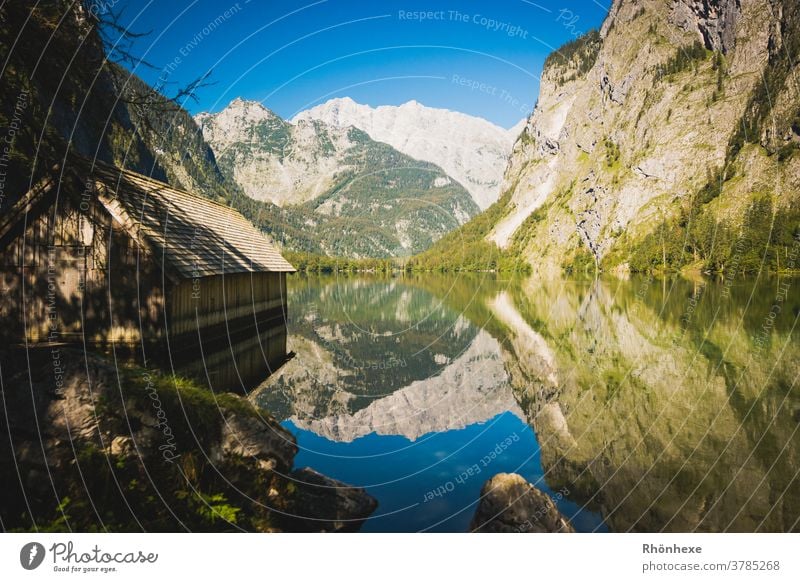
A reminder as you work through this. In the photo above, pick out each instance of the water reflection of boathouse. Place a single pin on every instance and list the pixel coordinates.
(98, 255)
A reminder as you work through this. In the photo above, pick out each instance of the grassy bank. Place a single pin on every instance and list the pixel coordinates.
(152, 453)
(316, 264)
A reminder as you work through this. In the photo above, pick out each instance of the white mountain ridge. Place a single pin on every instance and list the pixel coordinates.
(340, 176)
(472, 150)
(285, 164)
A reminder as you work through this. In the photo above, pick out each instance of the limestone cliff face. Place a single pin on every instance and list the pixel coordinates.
(632, 121)
(715, 20)
(272, 159)
(471, 150)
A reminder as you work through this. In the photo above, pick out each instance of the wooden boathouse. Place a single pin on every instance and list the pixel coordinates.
(94, 254)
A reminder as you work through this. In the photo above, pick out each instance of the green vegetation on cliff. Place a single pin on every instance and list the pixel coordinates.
(576, 58)
(765, 240)
(684, 59)
(467, 250)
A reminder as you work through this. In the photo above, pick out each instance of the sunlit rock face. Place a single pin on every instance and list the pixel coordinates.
(473, 151)
(630, 123)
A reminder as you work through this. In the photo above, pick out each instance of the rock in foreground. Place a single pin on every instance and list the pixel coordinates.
(324, 504)
(99, 447)
(509, 504)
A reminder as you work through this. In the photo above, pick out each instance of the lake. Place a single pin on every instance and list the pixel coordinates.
(638, 404)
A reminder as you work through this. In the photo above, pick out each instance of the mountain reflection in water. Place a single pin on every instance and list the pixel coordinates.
(639, 405)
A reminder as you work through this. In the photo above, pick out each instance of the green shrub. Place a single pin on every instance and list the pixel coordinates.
(613, 153)
(580, 54)
(762, 239)
(685, 58)
(582, 263)
(467, 250)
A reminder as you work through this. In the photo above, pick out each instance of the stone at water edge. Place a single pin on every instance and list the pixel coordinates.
(509, 504)
(322, 504)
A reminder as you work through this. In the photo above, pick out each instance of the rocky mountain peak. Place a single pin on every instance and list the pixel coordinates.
(472, 150)
(326, 177)
(250, 110)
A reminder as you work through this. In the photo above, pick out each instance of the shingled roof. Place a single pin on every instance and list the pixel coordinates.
(192, 235)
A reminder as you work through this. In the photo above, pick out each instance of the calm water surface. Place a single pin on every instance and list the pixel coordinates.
(638, 405)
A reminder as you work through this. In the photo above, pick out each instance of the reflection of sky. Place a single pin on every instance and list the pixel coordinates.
(399, 473)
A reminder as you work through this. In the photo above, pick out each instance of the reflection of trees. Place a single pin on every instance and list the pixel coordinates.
(360, 340)
(646, 396)
(661, 423)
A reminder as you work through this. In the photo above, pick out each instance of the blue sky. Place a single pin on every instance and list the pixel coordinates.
(482, 58)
